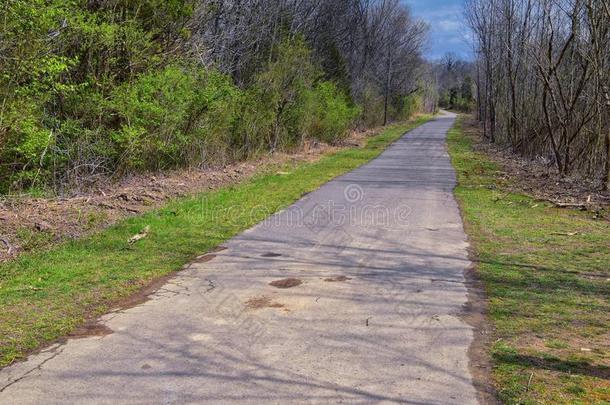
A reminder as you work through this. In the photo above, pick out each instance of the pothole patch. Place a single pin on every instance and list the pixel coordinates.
(338, 279)
(262, 302)
(286, 283)
(271, 254)
(90, 329)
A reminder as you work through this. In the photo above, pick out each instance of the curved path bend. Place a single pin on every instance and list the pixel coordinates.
(380, 255)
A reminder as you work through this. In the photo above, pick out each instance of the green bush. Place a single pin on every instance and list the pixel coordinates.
(60, 62)
(332, 114)
(173, 117)
(372, 107)
(94, 90)
(91, 89)
(407, 106)
(282, 92)
(458, 98)
(289, 102)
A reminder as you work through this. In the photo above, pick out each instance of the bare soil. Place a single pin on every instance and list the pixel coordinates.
(540, 179)
(286, 283)
(29, 223)
(337, 279)
(91, 328)
(262, 302)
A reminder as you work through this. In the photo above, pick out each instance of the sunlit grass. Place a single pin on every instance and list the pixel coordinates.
(546, 272)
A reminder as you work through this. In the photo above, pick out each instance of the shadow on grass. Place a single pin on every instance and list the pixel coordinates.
(587, 283)
(543, 268)
(554, 364)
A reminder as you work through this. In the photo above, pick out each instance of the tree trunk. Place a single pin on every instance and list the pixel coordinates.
(387, 89)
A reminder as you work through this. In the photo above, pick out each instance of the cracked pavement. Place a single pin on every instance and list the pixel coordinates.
(380, 253)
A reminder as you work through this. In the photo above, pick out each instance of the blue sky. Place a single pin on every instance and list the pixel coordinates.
(447, 29)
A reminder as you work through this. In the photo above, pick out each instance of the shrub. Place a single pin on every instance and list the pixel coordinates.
(331, 115)
(173, 117)
(285, 104)
(407, 106)
(372, 107)
(95, 94)
(282, 93)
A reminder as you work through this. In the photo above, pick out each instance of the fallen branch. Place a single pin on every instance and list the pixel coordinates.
(579, 206)
(529, 382)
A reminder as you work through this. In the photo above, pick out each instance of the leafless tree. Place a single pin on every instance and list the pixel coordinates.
(543, 78)
(363, 43)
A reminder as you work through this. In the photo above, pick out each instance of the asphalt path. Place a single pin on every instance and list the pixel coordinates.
(366, 308)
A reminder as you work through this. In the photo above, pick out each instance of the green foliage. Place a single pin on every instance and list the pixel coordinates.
(407, 106)
(372, 107)
(459, 97)
(90, 89)
(289, 101)
(282, 89)
(400, 108)
(170, 117)
(60, 61)
(331, 113)
(334, 66)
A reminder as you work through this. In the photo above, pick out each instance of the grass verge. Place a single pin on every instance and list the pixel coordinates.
(46, 295)
(546, 273)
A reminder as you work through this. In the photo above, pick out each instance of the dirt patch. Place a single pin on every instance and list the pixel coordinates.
(30, 223)
(475, 314)
(143, 294)
(91, 328)
(205, 258)
(539, 178)
(262, 302)
(337, 279)
(92, 325)
(271, 254)
(286, 283)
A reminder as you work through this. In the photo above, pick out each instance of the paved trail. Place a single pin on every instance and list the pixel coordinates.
(380, 253)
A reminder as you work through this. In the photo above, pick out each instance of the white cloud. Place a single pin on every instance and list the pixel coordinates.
(449, 25)
(448, 32)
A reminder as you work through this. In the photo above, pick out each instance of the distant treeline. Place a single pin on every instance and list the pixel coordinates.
(543, 80)
(91, 89)
(455, 84)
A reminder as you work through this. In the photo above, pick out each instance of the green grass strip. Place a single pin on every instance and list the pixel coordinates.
(546, 273)
(46, 295)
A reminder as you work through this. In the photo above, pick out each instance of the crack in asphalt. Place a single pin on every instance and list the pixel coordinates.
(56, 352)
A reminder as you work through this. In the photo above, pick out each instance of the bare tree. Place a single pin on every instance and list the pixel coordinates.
(362, 44)
(542, 82)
